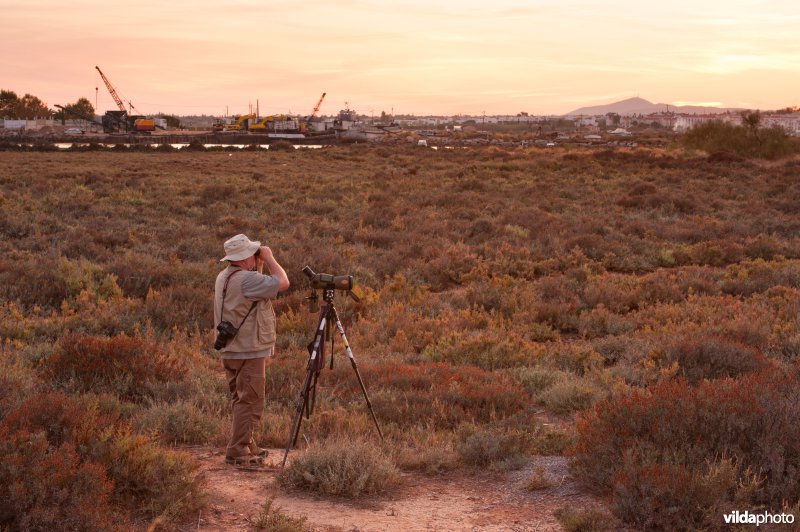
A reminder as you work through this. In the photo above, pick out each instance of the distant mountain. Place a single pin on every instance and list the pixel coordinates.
(636, 106)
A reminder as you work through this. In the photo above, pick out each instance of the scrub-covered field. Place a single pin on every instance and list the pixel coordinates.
(637, 311)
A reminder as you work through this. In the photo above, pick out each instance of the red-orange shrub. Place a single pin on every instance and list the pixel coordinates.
(120, 365)
(59, 417)
(436, 394)
(713, 357)
(46, 488)
(753, 421)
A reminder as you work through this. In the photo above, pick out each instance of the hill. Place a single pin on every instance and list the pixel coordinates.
(636, 106)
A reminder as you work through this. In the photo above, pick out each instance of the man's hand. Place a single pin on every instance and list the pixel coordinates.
(265, 257)
(264, 254)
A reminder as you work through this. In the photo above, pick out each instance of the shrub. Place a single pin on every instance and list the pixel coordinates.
(150, 480)
(539, 480)
(17, 383)
(59, 417)
(432, 458)
(658, 442)
(571, 394)
(536, 379)
(675, 497)
(343, 468)
(550, 441)
(51, 488)
(120, 365)
(586, 520)
(272, 519)
(281, 145)
(436, 395)
(496, 448)
(716, 137)
(713, 357)
(181, 421)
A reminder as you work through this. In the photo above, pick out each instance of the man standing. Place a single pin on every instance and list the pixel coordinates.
(242, 298)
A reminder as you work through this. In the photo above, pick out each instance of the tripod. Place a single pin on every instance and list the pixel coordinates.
(308, 394)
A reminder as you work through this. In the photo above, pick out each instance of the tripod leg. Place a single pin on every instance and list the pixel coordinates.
(298, 415)
(335, 319)
(312, 373)
(311, 399)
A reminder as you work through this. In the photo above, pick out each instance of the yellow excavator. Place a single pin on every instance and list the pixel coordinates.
(240, 123)
(276, 124)
(264, 123)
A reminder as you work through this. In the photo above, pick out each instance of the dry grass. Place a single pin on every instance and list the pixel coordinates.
(494, 281)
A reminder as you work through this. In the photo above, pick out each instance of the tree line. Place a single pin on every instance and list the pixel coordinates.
(29, 107)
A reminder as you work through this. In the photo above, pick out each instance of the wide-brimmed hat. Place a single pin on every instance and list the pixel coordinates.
(239, 247)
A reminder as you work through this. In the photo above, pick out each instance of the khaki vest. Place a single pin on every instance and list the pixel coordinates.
(257, 333)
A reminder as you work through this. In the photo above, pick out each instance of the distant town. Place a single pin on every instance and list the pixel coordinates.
(613, 123)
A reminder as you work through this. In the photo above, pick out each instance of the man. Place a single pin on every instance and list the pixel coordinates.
(242, 297)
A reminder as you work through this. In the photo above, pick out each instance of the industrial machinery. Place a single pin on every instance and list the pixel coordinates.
(123, 120)
(70, 111)
(307, 125)
(240, 123)
(276, 124)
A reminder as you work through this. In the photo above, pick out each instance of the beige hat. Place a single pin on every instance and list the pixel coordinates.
(239, 247)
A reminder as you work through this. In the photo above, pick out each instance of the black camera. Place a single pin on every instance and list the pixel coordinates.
(326, 281)
(225, 333)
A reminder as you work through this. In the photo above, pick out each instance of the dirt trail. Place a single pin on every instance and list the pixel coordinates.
(452, 502)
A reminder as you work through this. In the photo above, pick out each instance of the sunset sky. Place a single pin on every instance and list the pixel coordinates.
(422, 57)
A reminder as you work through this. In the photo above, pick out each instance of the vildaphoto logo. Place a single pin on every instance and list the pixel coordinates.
(764, 518)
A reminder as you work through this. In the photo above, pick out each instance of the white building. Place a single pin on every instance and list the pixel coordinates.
(686, 122)
(789, 122)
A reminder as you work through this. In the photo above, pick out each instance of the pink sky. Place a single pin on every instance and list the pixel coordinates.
(432, 57)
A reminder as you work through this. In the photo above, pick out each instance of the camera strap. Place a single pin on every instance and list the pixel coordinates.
(222, 309)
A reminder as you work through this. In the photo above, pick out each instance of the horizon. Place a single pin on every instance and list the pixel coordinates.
(409, 58)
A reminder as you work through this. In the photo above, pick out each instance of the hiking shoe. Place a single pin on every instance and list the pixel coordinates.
(246, 461)
(257, 451)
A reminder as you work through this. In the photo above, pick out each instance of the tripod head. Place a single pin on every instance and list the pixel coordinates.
(328, 284)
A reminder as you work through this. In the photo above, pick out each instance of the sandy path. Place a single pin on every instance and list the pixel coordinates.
(452, 502)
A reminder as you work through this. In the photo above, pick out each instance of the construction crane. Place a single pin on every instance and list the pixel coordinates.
(123, 120)
(314, 111)
(113, 92)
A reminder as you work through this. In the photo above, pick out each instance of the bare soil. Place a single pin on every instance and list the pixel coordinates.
(456, 501)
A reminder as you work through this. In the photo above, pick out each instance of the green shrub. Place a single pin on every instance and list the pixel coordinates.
(548, 441)
(150, 480)
(180, 422)
(496, 448)
(572, 394)
(586, 520)
(341, 467)
(272, 519)
(720, 137)
(537, 379)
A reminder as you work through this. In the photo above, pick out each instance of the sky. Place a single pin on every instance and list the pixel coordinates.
(445, 57)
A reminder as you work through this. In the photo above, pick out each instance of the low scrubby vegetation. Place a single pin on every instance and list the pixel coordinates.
(342, 467)
(726, 141)
(651, 295)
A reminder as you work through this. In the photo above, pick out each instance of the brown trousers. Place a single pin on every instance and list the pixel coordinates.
(246, 381)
